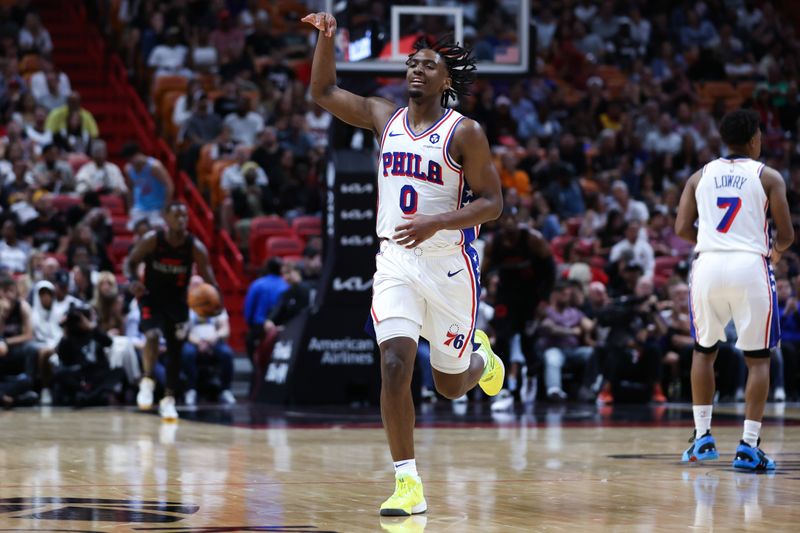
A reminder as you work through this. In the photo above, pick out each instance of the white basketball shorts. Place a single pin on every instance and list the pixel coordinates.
(738, 286)
(438, 290)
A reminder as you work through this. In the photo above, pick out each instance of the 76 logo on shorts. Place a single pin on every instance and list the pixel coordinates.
(457, 340)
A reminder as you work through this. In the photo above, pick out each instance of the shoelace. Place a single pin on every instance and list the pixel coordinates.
(403, 487)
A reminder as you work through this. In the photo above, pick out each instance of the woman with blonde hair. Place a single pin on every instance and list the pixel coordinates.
(108, 306)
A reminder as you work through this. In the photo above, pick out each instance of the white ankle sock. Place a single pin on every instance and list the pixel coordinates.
(406, 466)
(702, 418)
(485, 357)
(751, 431)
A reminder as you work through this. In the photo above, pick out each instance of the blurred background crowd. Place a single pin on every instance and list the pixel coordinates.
(585, 282)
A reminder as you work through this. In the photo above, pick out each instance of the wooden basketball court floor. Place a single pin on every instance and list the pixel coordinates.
(253, 468)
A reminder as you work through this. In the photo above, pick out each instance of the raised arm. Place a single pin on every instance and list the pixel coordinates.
(775, 188)
(369, 113)
(687, 211)
(472, 148)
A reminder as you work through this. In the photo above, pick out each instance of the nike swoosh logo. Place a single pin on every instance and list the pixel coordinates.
(401, 464)
(393, 134)
(451, 274)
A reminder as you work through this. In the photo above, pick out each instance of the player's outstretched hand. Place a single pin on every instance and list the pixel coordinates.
(324, 22)
(417, 229)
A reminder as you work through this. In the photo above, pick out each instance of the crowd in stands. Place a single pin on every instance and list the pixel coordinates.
(68, 325)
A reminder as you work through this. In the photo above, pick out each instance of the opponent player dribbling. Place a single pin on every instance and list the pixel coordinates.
(168, 256)
(427, 279)
(732, 277)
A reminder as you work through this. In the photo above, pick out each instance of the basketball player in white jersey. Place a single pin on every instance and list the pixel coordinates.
(436, 185)
(732, 277)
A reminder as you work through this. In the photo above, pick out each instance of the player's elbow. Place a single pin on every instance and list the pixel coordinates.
(320, 92)
(784, 239)
(495, 207)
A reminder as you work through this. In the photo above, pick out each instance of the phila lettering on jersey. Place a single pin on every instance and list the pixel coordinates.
(732, 207)
(417, 175)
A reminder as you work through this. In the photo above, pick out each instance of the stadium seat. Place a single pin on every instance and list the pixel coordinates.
(169, 129)
(114, 204)
(665, 265)
(307, 226)
(63, 202)
(213, 187)
(119, 225)
(29, 63)
(76, 161)
(283, 247)
(165, 84)
(559, 243)
(204, 165)
(118, 250)
(573, 225)
(261, 229)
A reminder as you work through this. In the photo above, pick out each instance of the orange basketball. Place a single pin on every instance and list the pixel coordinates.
(204, 300)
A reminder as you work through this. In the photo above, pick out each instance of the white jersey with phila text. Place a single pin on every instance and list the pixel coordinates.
(416, 175)
(732, 207)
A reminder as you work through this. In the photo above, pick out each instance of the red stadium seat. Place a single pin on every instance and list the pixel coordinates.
(114, 203)
(119, 225)
(284, 247)
(665, 265)
(118, 250)
(62, 202)
(307, 226)
(261, 229)
(559, 243)
(76, 161)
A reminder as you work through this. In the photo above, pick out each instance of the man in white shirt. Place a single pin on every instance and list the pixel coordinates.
(621, 201)
(244, 123)
(170, 58)
(34, 37)
(664, 140)
(39, 81)
(99, 174)
(318, 121)
(634, 244)
(246, 189)
(208, 340)
(13, 252)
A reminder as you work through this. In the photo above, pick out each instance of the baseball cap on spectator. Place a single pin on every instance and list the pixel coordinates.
(61, 278)
(46, 286)
(502, 100)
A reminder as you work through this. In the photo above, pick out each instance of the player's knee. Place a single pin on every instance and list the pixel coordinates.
(450, 389)
(395, 370)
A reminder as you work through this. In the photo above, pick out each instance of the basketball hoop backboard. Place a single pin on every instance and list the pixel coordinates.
(377, 36)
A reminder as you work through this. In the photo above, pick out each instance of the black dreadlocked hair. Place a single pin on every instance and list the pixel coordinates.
(459, 61)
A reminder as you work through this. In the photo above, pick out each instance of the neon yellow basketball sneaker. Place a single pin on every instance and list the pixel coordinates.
(407, 498)
(495, 372)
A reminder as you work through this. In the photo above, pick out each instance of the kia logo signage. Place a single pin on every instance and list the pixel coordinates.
(352, 284)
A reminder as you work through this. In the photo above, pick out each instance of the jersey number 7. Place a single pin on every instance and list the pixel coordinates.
(732, 204)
